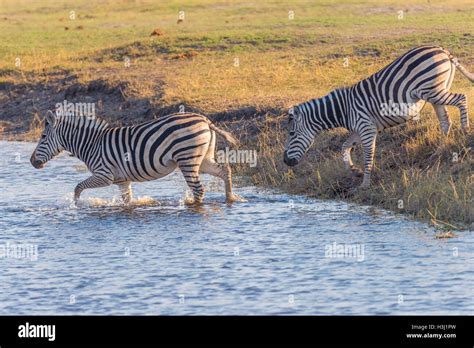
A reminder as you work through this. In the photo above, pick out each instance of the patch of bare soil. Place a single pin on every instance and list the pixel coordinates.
(134, 50)
(157, 32)
(186, 55)
(24, 104)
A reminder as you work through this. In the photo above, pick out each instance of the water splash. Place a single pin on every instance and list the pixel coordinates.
(96, 202)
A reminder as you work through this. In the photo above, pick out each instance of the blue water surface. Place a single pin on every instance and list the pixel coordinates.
(275, 254)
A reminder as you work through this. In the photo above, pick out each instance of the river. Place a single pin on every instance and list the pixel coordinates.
(275, 254)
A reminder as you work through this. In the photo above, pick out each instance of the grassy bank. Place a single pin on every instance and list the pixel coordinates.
(243, 63)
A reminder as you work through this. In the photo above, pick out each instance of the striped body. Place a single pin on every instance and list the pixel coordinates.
(148, 151)
(415, 77)
(388, 98)
(153, 149)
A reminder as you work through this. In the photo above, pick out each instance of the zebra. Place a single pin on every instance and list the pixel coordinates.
(388, 98)
(143, 152)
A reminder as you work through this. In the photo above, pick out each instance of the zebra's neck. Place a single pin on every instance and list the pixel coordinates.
(327, 112)
(81, 137)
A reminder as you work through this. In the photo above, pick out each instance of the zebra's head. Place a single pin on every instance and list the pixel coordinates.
(300, 136)
(49, 145)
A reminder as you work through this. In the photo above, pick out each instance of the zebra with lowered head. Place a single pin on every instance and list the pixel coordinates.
(388, 98)
(148, 151)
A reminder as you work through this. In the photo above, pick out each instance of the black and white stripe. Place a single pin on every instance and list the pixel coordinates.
(423, 74)
(148, 151)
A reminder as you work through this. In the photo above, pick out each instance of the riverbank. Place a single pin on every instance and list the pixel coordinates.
(418, 171)
(243, 67)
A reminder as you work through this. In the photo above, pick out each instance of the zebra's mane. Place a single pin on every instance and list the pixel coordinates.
(91, 123)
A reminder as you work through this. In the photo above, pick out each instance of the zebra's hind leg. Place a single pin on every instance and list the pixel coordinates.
(347, 148)
(443, 117)
(223, 171)
(368, 135)
(445, 97)
(191, 175)
(126, 191)
(95, 181)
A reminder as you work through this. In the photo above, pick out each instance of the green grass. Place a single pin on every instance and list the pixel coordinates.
(36, 30)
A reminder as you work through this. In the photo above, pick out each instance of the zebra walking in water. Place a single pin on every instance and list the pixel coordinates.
(148, 151)
(388, 98)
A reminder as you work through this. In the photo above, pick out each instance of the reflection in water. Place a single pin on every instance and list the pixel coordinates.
(275, 254)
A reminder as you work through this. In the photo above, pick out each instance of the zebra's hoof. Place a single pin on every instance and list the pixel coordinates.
(78, 204)
(192, 202)
(353, 191)
(235, 198)
(357, 189)
(356, 172)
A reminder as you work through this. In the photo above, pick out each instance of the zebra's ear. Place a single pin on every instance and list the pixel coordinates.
(50, 118)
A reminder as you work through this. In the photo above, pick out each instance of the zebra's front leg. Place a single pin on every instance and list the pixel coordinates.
(126, 191)
(368, 138)
(95, 181)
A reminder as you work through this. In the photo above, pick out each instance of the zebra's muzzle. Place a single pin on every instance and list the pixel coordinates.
(289, 161)
(36, 163)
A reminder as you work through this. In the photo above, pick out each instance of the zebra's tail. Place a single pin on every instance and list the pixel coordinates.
(227, 136)
(463, 70)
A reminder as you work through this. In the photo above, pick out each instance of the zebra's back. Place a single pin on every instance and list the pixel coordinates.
(150, 150)
(393, 95)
